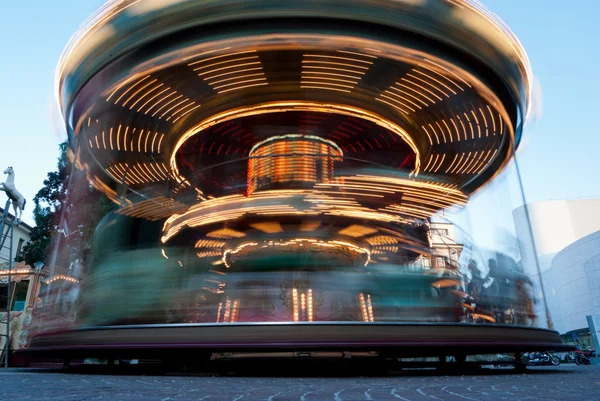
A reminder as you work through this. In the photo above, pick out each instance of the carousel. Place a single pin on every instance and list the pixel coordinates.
(279, 169)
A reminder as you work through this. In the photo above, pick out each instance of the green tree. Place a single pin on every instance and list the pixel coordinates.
(65, 194)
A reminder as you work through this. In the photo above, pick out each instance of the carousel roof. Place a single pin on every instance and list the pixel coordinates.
(165, 97)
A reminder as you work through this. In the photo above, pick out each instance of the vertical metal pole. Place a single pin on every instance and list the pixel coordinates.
(11, 229)
(536, 258)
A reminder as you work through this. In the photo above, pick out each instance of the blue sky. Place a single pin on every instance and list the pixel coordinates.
(559, 159)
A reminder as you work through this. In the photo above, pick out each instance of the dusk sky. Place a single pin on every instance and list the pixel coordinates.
(559, 156)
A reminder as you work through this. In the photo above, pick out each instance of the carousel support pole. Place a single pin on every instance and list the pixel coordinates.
(11, 229)
(3, 223)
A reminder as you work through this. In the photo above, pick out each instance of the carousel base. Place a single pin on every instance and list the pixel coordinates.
(202, 340)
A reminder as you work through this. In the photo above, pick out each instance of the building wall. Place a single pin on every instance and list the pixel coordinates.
(22, 234)
(555, 226)
(576, 277)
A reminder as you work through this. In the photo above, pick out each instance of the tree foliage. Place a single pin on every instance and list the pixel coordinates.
(67, 195)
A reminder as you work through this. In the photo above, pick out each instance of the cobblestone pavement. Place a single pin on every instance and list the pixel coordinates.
(570, 383)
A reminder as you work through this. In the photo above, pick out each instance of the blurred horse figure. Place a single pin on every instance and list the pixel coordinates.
(18, 201)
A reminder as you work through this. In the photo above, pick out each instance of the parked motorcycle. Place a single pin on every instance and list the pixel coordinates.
(583, 357)
(543, 358)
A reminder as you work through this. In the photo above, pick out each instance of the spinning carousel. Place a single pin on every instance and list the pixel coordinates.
(278, 168)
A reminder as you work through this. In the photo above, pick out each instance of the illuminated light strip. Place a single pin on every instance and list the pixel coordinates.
(468, 162)
(61, 277)
(428, 83)
(429, 136)
(484, 121)
(159, 101)
(417, 92)
(206, 52)
(125, 138)
(478, 163)
(146, 144)
(294, 304)
(138, 169)
(316, 139)
(187, 112)
(313, 75)
(397, 101)
(422, 87)
(363, 307)
(138, 91)
(307, 68)
(261, 74)
(97, 142)
(242, 87)
(140, 140)
(152, 98)
(435, 132)
(118, 137)
(429, 162)
(159, 142)
(166, 104)
(463, 127)
(217, 57)
(273, 107)
(230, 67)
(110, 137)
(500, 121)
(357, 54)
(410, 95)
(172, 107)
(476, 122)
(339, 58)
(394, 106)
(493, 120)
(145, 94)
(435, 80)
(403, 98)
(159, 172)
(470, 125)
(233, 72)
(455, 3)
(445, 69)
(327, 83)
(360, 67)
(443, 76)
(458, 164)
(310, 305)
(91, 146)
(154, 140)
(452, 164)
(225, 62)
(212, 211)
(325, 88)
(440, 165)
(180, 110)
(449, 130)
(130, 88)
(146, 168)
(240, 82)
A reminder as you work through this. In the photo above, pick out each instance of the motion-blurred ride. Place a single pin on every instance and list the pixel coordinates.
(317, 175)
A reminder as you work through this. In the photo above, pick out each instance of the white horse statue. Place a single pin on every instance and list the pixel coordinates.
(18, 201)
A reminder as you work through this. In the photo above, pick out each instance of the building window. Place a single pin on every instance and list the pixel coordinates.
(440, 262)
(426, 263)
(3, 297)
(20, 245)
(18, 296)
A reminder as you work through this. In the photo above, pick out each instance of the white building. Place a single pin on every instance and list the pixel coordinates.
(576, 274)
(556, 226)
(21, 236)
